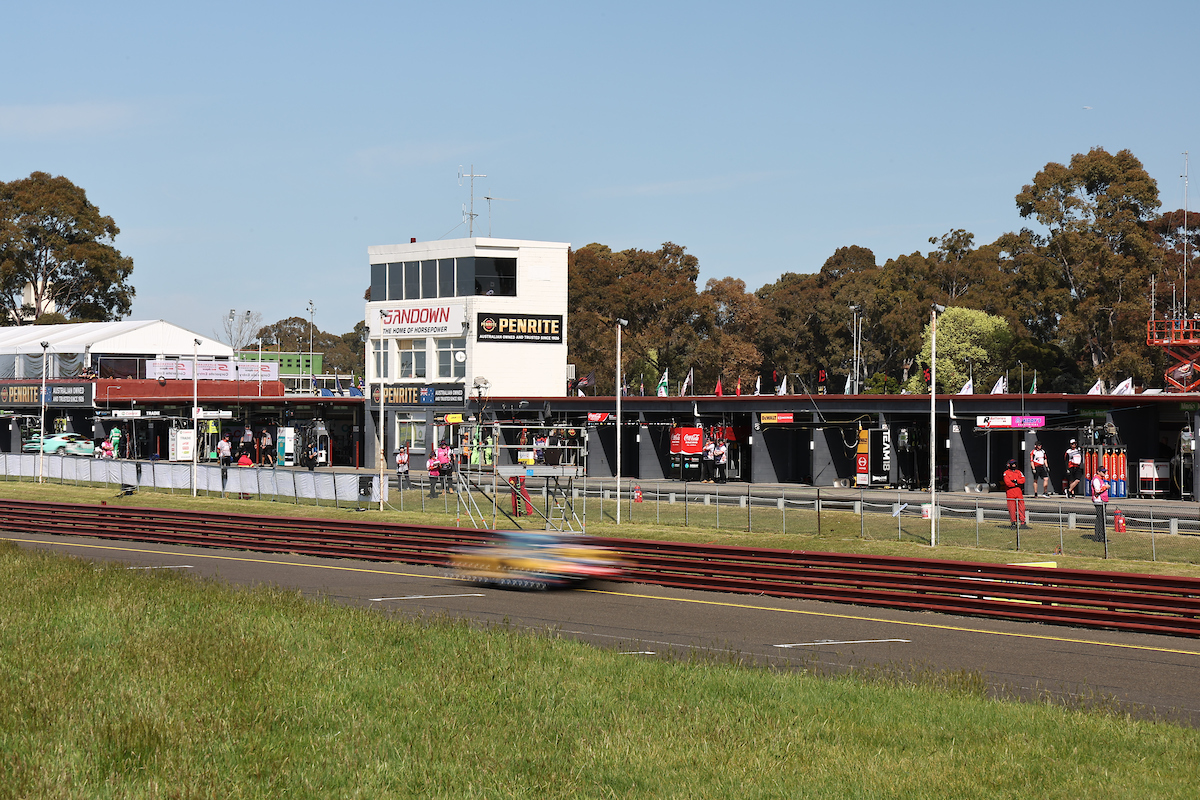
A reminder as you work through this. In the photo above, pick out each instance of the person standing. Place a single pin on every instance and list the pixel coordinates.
(1040, 470)
(1014, 492)
(115, 435)
(708, 459)
(1074, 457)
(445, 460)
(1100, 500)
(264, 440)
(225, 451)
(402, 482)
(721, 455)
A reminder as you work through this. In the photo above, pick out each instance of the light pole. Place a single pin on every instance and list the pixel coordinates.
(42, 424)
(195, 415)
(856, 337)
(382, 367)
(311, 382)
(621, 323)
(933, 314)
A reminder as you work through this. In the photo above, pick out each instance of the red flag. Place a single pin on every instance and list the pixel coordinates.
(739, 387)
(719, 392)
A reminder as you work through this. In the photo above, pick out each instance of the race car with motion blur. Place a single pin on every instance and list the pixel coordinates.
(536, 560)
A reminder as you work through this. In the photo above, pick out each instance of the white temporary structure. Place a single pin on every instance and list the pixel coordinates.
(74, 347)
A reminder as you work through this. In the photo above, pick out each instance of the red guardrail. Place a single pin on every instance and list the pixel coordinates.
(1146, 603)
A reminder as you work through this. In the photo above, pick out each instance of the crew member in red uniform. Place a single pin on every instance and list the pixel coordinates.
(1014, 491)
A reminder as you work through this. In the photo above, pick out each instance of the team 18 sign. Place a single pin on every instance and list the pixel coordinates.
(546, 328)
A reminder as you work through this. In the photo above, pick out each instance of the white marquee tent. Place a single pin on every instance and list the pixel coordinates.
(75, 347)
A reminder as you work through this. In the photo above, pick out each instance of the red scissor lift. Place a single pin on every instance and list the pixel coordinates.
(1181, 339)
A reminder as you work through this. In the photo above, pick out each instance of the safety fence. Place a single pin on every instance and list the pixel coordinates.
(268, 483)
(1143, 603)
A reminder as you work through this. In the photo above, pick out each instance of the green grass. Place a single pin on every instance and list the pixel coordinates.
(795, 529)
(117, 683)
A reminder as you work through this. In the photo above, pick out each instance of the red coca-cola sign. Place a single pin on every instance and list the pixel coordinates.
(689, 441)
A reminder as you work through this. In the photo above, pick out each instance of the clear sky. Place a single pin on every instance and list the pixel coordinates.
(250, 152)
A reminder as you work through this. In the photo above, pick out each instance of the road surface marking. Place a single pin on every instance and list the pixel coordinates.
(425, 597)
(824, 642)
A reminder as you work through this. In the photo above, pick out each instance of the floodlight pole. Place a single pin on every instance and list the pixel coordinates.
(621, 323)
(195, 415)
(933, 314)
(42, 424)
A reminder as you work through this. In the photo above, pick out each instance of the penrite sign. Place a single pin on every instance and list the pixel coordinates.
(419, 395)
(546, 328)
(57, 394)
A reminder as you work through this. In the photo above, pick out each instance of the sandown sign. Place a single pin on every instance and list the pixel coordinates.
(431, 319)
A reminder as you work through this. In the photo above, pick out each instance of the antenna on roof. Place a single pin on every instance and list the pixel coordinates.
(490, 199)
(469, 216)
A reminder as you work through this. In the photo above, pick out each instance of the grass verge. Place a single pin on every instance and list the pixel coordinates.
(119, 683)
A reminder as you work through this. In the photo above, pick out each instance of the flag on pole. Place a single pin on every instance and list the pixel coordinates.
(758, 385)
(1124, 387)
(1001, 386)
(1033, 388)
(739, 386)
(687, 384)
(846, 389)
(783, 387)
(662, 384)
(337, 384)
(968, 387)
(1097, 387)
(719, 391)
(643, 384)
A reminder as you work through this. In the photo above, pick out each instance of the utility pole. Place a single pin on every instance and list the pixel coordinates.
(470, 214)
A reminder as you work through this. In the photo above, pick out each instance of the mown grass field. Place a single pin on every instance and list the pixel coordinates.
(118, 683)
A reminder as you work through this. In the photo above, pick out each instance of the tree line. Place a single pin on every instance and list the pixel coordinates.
(1072, 291)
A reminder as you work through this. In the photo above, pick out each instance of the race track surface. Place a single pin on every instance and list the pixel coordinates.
(1151, 676)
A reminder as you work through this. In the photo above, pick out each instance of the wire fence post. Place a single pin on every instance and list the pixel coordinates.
(862, 513)
(685, 504)
(1153, 551)
(717, 497)
(818, 504)
(899, 515)
(977, 523)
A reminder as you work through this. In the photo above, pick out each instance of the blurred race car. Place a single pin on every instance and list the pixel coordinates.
(536, 560)
(71, 444)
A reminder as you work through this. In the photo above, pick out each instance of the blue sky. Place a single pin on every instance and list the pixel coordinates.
(251, 152)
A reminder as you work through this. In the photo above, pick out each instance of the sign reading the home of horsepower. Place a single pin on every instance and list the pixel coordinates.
(520, 328)
(415, 394)
(57, 394)
(999, 421)
(432, 319)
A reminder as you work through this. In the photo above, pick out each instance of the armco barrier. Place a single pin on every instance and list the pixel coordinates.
(1133, 602)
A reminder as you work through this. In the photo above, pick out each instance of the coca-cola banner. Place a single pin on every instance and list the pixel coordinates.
(688, 441)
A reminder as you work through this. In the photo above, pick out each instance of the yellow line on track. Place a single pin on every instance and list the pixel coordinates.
(747, 606)
(899, 622)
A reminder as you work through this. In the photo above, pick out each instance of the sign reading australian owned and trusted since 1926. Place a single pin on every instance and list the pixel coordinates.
(416, 394)
(546, 328)
(57, 394)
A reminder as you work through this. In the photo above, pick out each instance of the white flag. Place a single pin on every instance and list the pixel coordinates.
(758, 385)
(783, 387)
(1033, 388)
(1001, 386)
(1124, 387)
(968, 387)
(847, 389)
(662, 384)
(1097, 387)
(687, 384)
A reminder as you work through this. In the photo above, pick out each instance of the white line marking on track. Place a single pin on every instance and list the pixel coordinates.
(177, 566)
(850, 641)
(638, 653)
(425, 597)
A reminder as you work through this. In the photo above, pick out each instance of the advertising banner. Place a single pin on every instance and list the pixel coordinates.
(57, 394)
(416, 394)
(545, 328)
(435, 318)
(1000, 421)
(688, 441)
(181, 370)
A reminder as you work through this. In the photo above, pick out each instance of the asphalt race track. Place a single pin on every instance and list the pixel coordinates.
(1149, 675)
